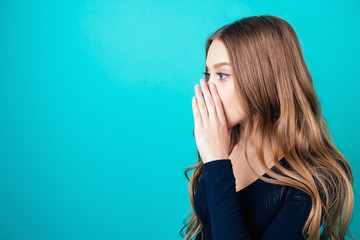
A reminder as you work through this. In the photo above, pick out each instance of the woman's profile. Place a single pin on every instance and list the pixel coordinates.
(266, 165)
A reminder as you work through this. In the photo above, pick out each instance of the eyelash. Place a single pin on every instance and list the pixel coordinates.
(219, 73)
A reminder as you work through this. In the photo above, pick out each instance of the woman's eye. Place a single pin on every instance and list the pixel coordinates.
(207, 75)
(222, 74)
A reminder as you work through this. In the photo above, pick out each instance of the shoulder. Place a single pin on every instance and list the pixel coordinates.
(299, 195)
(297, 204)
(292, 194)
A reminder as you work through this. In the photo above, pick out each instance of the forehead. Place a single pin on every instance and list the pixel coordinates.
(217, 53)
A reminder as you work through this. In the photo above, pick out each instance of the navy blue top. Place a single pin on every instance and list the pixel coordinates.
(261, 210)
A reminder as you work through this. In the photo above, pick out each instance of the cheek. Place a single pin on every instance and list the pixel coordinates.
(226, 99)
(227, 105)
(223, 98)
(231, 109)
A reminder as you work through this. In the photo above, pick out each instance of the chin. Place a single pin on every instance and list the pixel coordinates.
(231, 124)
(234, 119)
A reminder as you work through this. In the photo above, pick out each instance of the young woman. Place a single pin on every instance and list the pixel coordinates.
(266, 167)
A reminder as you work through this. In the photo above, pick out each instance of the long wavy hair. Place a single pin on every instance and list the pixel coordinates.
(273, 82)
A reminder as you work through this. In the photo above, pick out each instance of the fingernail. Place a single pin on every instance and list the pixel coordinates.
(212, 85)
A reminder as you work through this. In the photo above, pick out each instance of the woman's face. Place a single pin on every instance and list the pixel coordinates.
(219, 72)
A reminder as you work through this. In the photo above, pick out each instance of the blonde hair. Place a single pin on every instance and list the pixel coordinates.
(273, 82)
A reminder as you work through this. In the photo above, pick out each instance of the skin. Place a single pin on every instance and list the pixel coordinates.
(223, 80)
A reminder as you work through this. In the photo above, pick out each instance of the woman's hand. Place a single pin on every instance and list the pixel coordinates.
(211, 133)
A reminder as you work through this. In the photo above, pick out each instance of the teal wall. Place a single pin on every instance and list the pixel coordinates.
(95, 107)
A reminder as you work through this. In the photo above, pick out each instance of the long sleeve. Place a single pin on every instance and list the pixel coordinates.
(227, 221)
(225, 211)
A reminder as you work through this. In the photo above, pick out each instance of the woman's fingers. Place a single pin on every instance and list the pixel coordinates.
(208, 99)
(218, 103)
(208, 104)
(196, 113)
(205, 102)
(201, 104)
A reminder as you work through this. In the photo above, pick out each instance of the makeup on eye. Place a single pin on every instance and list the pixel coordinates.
(207, 75)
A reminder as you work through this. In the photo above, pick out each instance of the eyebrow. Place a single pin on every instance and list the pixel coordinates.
(219, 65)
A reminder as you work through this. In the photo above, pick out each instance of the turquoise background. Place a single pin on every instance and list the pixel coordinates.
(95, 101)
